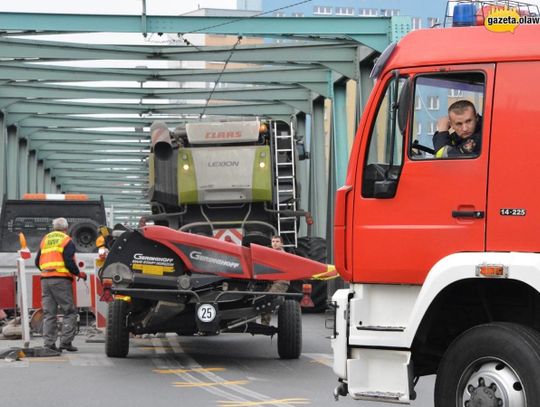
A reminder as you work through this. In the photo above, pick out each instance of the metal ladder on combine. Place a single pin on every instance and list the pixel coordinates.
(285, 197)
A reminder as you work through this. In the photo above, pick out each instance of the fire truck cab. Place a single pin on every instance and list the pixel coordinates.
(442, 254)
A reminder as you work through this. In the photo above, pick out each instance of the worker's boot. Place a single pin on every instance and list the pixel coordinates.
(69, 347)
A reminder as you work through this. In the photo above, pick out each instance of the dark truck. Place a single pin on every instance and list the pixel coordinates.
(34, 218)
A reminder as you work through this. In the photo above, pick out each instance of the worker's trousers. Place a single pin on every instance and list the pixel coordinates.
(278, 286)
(56, 293)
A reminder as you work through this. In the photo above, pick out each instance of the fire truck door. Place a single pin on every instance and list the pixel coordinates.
(438, 204)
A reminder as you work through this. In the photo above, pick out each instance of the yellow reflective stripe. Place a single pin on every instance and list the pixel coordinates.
(52, 249)
(440, 152)
(52, 265)
(329, 274)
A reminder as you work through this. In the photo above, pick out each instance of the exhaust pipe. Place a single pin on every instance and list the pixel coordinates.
(161, 140)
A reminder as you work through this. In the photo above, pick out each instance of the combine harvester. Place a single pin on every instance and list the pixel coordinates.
(219, 192)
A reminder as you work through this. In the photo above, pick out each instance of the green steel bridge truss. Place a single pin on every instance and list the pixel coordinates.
(75, 113)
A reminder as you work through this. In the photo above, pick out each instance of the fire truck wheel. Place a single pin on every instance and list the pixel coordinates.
(313, 248)
(289, 330)
(117, 338)
(495, 364)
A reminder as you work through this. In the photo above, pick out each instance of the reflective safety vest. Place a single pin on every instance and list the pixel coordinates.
(51, 259)
(442, 152)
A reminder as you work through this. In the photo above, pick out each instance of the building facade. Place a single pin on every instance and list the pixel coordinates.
(430, 104)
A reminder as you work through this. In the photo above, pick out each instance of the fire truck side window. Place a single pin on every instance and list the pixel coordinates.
(433, 135)
(385, 154)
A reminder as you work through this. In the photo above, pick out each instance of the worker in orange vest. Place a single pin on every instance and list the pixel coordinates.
(56, 260)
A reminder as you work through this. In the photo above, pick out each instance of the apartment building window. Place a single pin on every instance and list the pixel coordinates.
(344, 11)
(297, 14)
(388, 12)
(419, 129)
(455, 93)
(432, 21)
(432, 128)
(417, 103)
(368, 12)
(279, 14)
(416, 23)
(433, 103)
(322, 10)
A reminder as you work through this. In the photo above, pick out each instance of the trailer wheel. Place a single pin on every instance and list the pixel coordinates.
(117, 337)
(496, 364)
(289, 330)
(84, 235)
(313, 248)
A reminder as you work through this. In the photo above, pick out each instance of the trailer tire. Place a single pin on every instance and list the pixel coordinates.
(491, 364)
(117, 338)
(84, 235)
(313, 248)
(289, 330)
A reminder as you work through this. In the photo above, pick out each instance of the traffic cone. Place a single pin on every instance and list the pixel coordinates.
(24, 253)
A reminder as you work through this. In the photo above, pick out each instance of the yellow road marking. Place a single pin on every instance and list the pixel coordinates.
(48, 359)
(200, 369)
(292, 401)
(155, 347)
(203, 384)
(323, 361)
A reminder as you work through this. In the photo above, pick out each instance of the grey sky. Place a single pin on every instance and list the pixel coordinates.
(153, 7)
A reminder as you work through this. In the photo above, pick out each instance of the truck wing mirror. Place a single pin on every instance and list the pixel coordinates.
(403, 105)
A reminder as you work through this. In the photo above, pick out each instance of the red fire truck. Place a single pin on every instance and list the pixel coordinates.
(442, 254)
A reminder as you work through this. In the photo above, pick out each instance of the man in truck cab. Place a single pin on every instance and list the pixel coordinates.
(465, 140)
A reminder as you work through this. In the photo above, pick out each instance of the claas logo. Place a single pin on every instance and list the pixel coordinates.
(222, 134)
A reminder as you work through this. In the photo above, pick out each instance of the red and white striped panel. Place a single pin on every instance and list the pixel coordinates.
(229, 235)
(99, 308)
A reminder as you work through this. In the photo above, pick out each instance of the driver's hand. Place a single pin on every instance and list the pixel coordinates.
(443, 124)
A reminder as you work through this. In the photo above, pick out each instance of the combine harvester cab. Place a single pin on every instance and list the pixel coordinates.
(214, 179)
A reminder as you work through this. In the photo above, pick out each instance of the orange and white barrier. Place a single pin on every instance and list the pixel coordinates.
(56, 197)
(86, 294)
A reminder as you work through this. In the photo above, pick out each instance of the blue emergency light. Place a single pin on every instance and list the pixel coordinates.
(464, 15)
